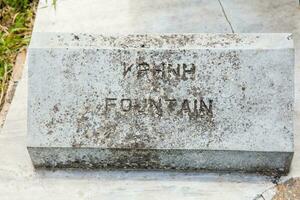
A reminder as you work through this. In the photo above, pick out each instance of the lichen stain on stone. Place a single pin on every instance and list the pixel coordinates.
(96, 129)
(144, 41)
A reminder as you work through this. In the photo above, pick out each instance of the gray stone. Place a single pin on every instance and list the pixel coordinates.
(173, 101)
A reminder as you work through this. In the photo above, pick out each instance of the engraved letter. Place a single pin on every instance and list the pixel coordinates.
(157, 106)
(176, 72)
(109, 102)
(160, 69)
(140, 106)
(143, 68)
(185, 106)
(191, 71)
(195, 108)
(126, 106)
(126, 69)
(204, 108)
(171, 104)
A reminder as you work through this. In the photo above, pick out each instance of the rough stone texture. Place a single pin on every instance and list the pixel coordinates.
(176, 101)
(18, 178)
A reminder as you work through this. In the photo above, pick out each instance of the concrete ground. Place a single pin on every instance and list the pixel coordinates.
(18, 178)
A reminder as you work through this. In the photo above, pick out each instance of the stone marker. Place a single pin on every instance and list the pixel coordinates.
(176, 101)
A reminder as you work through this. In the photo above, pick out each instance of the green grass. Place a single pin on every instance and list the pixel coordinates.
(16, 21)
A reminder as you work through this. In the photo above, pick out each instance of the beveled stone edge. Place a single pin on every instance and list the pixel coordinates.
(264, 162)
(163, 41)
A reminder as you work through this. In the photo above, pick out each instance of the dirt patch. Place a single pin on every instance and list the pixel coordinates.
(290, 190)
(15, 78)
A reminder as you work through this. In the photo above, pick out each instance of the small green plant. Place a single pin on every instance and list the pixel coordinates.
(16, 21)
(20, 5)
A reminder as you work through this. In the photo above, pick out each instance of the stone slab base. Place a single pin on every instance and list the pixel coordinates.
(158, 159)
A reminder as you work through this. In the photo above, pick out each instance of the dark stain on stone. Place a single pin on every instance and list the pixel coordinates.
(76, 37)
(55, 108)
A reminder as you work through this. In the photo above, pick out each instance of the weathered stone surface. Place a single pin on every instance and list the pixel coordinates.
(186, 101)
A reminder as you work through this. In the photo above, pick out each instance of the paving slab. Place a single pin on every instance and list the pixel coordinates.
(19, 180)
(132, 16)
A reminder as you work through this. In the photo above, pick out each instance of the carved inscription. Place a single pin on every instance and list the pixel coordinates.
(161, 106)
(162, 70)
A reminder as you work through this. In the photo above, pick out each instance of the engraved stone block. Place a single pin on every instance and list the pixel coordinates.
(174, 101)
